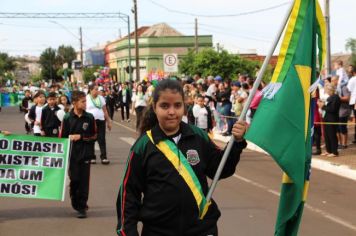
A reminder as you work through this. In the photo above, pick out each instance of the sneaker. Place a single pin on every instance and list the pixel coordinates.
(317, 152)
(105, 162)
(82, 214)
(92, 161)
(128, 120)
(332, 155)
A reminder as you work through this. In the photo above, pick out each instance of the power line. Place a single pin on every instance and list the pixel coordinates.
(51, 27)
(238, 36)
(77, 15)
(216, 16)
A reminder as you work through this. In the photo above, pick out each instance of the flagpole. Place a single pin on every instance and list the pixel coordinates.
(248, 102)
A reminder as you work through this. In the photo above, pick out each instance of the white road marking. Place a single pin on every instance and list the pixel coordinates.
(128, 128)
(128, 140)
(325, 214)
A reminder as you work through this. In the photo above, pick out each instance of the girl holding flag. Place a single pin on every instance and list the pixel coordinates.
(165, 182)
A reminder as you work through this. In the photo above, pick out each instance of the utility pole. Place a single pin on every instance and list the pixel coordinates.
(136, 44)
(81, 45)
(196, 36)
(120, 34)
(328, 48)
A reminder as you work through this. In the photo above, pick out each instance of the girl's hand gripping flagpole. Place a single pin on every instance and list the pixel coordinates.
(247, 104)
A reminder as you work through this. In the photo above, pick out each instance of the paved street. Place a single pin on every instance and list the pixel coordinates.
(248, 200)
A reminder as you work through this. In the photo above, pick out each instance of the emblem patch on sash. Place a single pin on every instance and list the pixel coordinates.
(193, 157)
(85, 126)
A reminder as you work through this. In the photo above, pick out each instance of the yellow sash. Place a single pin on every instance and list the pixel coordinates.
(180, 163)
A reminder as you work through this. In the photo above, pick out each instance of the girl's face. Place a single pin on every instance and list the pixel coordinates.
(41, 99)
(64, 100)
(169, 110)
(200, 101)
(221, 87)
(95, 91)
(139, 88)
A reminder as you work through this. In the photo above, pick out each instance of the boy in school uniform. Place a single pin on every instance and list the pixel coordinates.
(35, 112)
(79, 126)
(202, 115)
(50, 123)
(25, 107)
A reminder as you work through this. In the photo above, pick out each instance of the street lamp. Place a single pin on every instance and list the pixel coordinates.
(136, 43)
(65, 28)
(126, 18)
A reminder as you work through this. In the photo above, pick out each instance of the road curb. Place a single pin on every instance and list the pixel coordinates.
(340, 170)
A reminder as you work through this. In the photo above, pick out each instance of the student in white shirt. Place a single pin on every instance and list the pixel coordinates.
(97, 107)
(35, 112)
(139, 103)
(352, 88)
(202, 114)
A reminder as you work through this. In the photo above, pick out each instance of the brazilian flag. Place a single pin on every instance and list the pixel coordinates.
(283, 121)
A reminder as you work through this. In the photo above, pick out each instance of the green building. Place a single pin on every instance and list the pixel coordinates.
(154, 43)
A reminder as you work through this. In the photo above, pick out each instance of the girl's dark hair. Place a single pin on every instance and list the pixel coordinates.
(91, 87)
(77, 95)
(149, 119)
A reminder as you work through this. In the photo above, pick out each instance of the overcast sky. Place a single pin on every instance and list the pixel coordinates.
(243, 33)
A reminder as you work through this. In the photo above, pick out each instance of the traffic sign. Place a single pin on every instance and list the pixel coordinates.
(170, 62)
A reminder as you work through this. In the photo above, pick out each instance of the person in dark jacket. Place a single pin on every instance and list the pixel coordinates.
(50, 123)
(155, 188)
(125, 101)
(331, 114)
(25, 107)
(110, 103)
(79, 126)
(223, 99)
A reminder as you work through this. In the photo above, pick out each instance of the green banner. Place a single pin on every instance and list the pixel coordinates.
(33, 167)
(11, 99)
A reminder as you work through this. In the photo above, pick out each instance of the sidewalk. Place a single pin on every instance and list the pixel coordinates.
(344, 165)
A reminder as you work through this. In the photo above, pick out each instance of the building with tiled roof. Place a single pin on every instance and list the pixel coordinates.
(154, 41)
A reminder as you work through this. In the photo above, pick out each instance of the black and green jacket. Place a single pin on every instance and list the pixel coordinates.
(83, 149)
(50, 123)
(153, 192)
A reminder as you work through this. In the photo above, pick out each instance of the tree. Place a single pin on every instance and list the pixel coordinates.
(35, 78)
(186, 64)
(52, 62)
(210, 62)
(61, 72)
(48, 63)
(88, 73)
(351, 45)
(65, 54)
(7, 63)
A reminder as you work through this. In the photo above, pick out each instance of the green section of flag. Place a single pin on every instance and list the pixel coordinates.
(11, 99)
(282, 125)
(33, 167)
